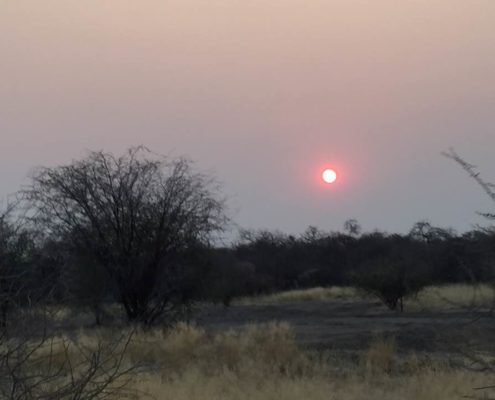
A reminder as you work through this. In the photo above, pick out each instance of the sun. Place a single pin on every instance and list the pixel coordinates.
(329, 176)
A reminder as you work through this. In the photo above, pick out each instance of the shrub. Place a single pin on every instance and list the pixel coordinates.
(397, 269)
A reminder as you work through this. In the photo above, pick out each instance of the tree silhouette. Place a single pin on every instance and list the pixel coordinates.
(137, 216)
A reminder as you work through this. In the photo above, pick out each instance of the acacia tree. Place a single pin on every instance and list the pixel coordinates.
(137, 215)
(488, 187)
(352, 227)
(396, 267)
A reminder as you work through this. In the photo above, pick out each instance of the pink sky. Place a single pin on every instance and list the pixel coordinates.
(264, 94)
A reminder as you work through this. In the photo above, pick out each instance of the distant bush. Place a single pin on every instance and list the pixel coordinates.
(400, 269)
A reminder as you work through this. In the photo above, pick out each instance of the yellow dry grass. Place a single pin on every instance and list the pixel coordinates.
(299, 295)
(381, 356)
(431, 385)
(262, 348)
(453, 297)
(265, 363)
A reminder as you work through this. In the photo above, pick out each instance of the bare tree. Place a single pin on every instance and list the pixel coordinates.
(352, 227)
(138, 215)
(488, 187)
(476, 361)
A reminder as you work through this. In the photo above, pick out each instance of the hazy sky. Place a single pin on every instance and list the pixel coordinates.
(264, 93)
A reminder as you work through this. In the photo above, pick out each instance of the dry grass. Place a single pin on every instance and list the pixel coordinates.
(460, 296)
(434, 298)
(299, 295)
(431, 385)
(265, 349)
(264, 362)
(381, 356)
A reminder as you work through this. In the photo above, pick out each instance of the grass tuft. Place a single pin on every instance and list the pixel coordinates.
(380, 357)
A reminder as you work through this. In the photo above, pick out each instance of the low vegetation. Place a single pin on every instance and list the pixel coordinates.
(430, 298)
(464, 296)
(310, 294)
(425, 385)
(58, 367)
(265, 362)
(130, 239)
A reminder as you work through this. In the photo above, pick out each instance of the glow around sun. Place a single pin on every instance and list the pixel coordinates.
(329, 176)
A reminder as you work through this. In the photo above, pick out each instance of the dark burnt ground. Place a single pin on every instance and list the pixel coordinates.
(351, 325)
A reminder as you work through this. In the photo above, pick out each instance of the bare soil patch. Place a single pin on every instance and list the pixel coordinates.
(350, 325)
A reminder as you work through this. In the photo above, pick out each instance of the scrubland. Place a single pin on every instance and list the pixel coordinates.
(265, 362)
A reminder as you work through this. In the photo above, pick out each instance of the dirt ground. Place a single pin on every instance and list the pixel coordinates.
(344, 325)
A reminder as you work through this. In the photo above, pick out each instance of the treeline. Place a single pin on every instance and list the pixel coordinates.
(137, 231)
(388, 265)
